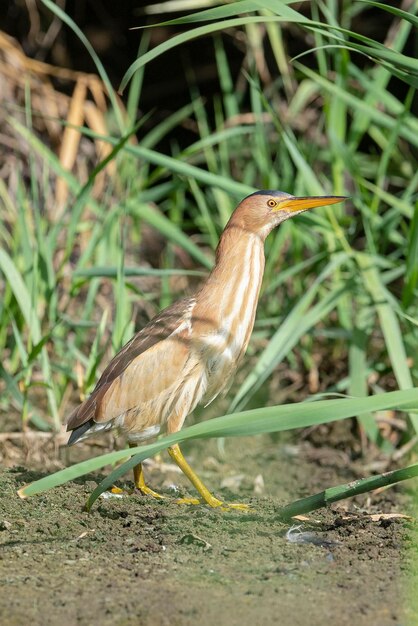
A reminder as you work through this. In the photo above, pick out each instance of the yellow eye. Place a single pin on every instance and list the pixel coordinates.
(271, 203)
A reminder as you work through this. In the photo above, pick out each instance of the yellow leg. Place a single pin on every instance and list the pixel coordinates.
(179, 459)
(140, 481)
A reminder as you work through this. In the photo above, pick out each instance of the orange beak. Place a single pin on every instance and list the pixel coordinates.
(308, 202)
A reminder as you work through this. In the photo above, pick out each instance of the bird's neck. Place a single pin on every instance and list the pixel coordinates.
(232, 289)
(239, 252)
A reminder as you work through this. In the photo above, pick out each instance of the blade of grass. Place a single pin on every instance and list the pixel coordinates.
(200, 31)
(117, 109)
(256, 421)
(283, 13)
(95, 354)
(411, 277)
(111, 272)
(348, 490)
(229, 10)
(389, 325)
(358, 381)
(404, 15)
(408, 129)
(17, 284)
(171, 164)
(13, 389)
(169, 230)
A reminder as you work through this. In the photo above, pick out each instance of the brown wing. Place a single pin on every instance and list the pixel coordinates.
(158, 329)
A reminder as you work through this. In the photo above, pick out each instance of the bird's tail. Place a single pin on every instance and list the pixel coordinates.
(80, 432)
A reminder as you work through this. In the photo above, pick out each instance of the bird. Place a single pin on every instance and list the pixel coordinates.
(187, 354)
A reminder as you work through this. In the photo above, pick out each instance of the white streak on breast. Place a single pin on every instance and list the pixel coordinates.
(147, 433)
(246, 297)
(225, 347)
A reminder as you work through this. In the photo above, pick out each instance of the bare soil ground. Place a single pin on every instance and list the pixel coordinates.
(134, 561)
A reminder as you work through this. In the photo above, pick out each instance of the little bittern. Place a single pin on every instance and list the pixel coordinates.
(188, 353)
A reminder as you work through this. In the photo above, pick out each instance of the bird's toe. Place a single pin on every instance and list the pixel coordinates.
(236, 506)
(147, 491)
(188, 501)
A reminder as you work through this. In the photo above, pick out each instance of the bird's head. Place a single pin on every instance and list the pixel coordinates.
(264, 210)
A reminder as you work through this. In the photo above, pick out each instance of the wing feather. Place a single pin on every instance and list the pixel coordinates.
(144, 342)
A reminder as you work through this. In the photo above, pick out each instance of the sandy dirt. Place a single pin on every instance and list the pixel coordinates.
(135, 561)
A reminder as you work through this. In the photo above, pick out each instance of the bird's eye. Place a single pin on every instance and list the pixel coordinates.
(271, 203)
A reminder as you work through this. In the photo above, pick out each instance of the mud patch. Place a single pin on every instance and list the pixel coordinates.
(134, 561)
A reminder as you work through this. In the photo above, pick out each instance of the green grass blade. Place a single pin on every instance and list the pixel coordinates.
(411, 277)
(169, 230)
(13, 389)
(256, 421)
(348, 490)
(95, 353)
(230, 10)
(171, 164)
(111, 272)
(408, 129)
(53, 162)
(200, 31)
(390, 326)
(16, 282)
(117, 110)
(283, 13)
(404, 15)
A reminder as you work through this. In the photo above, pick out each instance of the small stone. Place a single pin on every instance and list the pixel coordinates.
(5, 525)
(258, 485)
(232, 482)
(211, 464)
(190, 538)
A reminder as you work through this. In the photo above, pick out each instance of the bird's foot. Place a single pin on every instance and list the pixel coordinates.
(147, 491)
(226, 506)
(143, 490)
(236, 506)
(188, 501)
(215, 504)
(117, 491)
